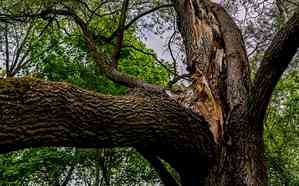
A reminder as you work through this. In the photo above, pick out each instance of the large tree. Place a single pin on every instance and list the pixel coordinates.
(211, 134)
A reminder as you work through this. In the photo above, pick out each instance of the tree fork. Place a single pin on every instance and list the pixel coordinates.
(217, 60)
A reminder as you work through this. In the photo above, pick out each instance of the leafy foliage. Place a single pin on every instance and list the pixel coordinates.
(65, 58)
(282, 131)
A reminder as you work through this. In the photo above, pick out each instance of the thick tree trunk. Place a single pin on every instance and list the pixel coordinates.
(225, 97)
(217, 60)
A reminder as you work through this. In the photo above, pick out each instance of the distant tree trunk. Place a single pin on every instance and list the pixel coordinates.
(97, 167)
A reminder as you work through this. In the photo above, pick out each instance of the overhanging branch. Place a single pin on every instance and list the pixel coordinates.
(41, 113)
(112, 73)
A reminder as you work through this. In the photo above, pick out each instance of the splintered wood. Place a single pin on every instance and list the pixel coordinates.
(200, 99)
(205, 65)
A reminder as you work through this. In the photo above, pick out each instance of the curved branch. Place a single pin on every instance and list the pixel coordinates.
(170, 50)
(35, 113)
(276, 59)
(109, 71)
(140, 16)
(164, 174)
(7, 54)
(120, 34)
(160, 62)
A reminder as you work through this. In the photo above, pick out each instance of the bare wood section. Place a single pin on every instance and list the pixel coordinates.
(205, 61)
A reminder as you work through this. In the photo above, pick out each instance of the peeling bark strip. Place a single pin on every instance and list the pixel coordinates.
(217, 60)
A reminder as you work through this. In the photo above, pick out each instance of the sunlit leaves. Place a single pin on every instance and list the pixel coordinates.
(282, 131)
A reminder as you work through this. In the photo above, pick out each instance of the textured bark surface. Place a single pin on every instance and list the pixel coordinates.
(217, 59)
(222, 90)
(40, 113)
(276, 59)
(205, 62)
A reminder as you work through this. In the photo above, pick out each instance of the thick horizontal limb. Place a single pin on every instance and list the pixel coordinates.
(35, 113)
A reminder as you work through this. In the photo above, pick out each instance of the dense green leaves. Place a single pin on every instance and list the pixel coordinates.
(282, 131)
(60, 54)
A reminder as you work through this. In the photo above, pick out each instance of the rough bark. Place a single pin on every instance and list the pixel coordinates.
(276, 59)
(40, 113)
(217, 61)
